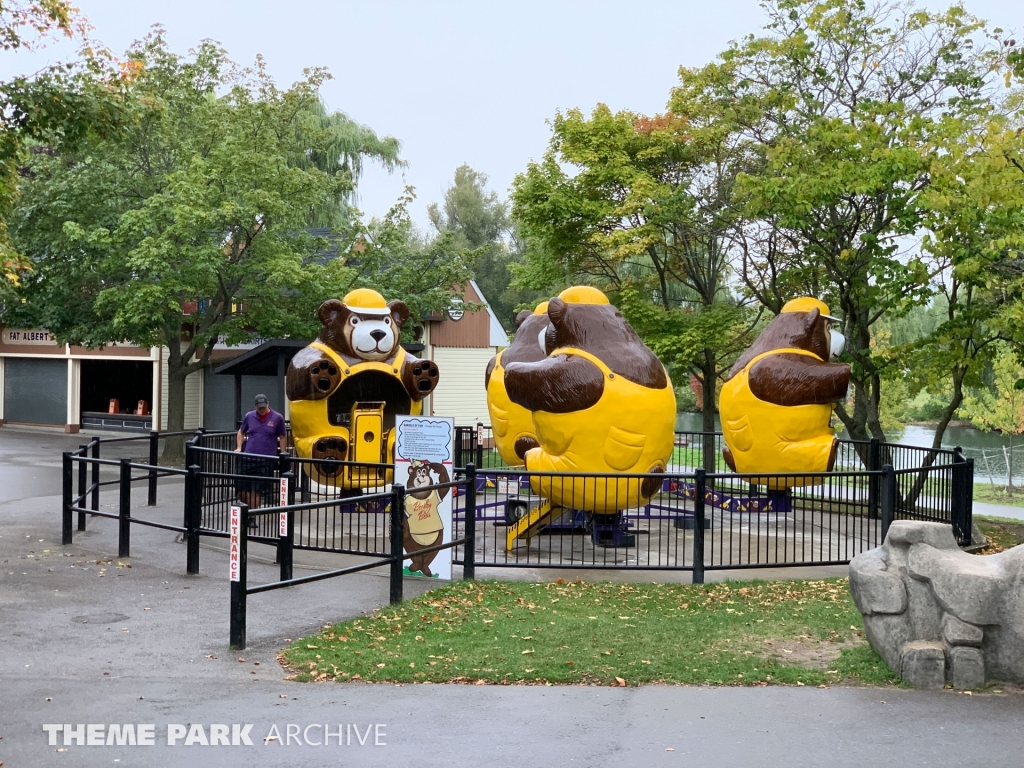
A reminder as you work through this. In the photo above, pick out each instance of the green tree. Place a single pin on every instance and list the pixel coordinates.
(1002, 408)
(477, 220)
(847, 107)
(26, 25)
(65, 100)
(342, 147)
(198, 203)
(641, 206)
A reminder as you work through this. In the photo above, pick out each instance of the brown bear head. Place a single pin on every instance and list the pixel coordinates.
(601, 330)
(792, 330)
(358, 334)
(527, 345)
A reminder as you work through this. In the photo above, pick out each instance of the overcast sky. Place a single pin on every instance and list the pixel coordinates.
(458, 82)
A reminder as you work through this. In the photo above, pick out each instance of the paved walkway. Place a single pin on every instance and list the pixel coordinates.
(86, 641)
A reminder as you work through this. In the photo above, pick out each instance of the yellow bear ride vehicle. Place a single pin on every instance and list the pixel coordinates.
(345, 389)
(602, 403)
(776, 406)
(511, 424)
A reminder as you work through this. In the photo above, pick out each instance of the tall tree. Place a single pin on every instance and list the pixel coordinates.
(198, 206)
(65, 100)
(477, 219)
(848, 105)
(642, 207)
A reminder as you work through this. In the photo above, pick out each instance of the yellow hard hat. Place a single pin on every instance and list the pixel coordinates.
(806, 304)
(541, 309)
(583, 294)
(366, 301)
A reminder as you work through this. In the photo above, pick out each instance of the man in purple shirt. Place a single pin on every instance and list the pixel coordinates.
(262, 434)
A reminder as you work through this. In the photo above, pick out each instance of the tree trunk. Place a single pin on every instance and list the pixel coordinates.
(177, 371)
(940, 429)
(709, 372)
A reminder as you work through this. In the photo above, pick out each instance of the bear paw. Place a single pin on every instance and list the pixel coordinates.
(330, 449)
(421, 378)
(324, 377)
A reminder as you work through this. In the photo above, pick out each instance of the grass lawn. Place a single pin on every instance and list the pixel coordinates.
(997, 495)
(735, 633)
(1002, 533)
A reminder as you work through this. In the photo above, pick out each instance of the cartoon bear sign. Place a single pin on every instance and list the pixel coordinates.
(423, 526)
(423, 460)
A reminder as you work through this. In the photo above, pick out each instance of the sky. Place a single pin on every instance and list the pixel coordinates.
(457, 82)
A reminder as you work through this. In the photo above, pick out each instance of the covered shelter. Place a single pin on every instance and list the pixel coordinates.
(262, 368)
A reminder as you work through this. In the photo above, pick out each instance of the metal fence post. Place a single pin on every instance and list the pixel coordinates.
(874, 464)
(478, 440)
(286, 542)
(193, 520)
(459, 437)
(888, 500)
(699, 488)
(154, 457)
(307, 489)
(239, 587)
(960, 496)
(83, 479)
(469, 513)
(124, 531)
(96, 475)
(397, 550)
(969, 501)
(190, 461)
(68, 483)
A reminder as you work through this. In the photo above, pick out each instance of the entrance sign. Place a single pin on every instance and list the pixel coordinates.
(234, 528)
(282, 526)
(424, 451)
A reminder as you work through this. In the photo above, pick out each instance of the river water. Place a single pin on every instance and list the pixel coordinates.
(986, 448)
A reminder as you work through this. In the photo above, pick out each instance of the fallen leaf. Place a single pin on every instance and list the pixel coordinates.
(670, 749)
(283, 696)
(241, 660)
(479, 682)
(621, 682)
(527, 651)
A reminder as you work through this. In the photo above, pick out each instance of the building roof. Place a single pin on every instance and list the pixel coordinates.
(264, 359)
(498, 337)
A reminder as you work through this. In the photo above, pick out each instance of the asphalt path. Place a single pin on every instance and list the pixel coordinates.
(87, 640)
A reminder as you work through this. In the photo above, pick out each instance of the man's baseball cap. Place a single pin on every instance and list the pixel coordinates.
(262, 400)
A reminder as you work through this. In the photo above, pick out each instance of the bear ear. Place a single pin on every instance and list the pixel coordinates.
(521, 317)
(556, 310)
(399, 312)
(811, 320)
(329, 310)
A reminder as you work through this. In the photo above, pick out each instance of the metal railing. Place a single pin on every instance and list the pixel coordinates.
(683, 519)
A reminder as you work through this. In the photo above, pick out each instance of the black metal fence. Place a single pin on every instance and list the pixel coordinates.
(685, 519)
